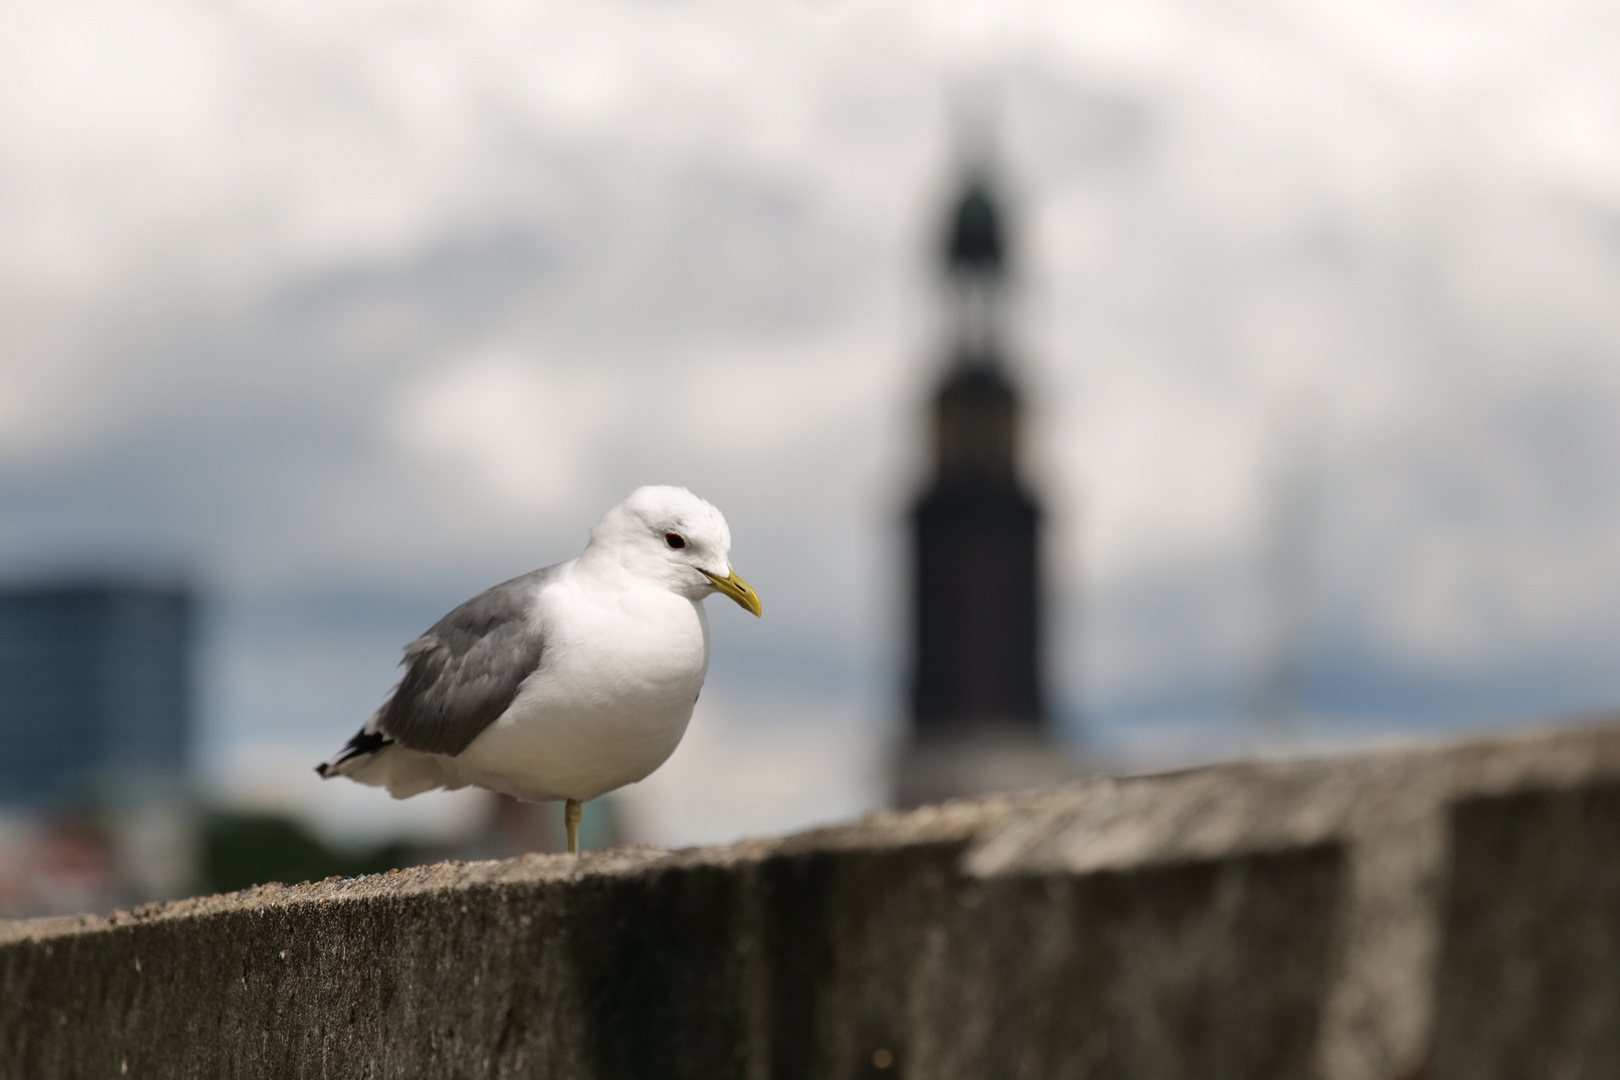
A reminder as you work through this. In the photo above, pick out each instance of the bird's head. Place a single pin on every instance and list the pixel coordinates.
(672, 536)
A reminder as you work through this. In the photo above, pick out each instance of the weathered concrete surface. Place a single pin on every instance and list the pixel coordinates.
(1442, 912)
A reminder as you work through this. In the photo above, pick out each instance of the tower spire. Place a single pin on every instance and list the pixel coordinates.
(977, 706)
(975, 264)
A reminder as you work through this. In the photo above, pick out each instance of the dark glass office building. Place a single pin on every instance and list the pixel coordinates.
(95, 689)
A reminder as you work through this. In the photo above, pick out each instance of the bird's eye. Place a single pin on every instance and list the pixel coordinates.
(675, 540)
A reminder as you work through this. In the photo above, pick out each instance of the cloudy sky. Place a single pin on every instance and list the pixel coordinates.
(351, 309)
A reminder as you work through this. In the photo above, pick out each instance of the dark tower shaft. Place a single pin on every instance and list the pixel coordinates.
(976, 589)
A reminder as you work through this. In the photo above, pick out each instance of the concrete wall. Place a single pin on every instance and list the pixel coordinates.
(1440, 913)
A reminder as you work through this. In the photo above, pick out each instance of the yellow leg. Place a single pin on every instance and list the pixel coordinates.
(571, 812)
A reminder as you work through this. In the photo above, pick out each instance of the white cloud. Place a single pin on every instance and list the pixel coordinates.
(400, 297)
(523, 431)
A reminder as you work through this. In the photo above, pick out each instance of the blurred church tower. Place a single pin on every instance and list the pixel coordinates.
(978, 718)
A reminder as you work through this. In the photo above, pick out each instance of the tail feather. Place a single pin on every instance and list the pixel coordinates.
(374, 759)
(366, 743)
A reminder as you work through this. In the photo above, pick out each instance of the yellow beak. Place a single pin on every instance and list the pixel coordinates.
(739, 590)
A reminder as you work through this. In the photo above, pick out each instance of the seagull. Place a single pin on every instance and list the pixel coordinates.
(565, 683)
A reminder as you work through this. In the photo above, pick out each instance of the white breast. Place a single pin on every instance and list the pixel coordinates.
(621, 672)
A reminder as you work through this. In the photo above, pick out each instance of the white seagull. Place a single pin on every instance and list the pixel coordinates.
(567, 682)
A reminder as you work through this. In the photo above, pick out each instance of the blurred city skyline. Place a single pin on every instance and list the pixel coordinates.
(349, 311)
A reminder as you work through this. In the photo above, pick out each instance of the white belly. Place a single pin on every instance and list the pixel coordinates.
(607, 707)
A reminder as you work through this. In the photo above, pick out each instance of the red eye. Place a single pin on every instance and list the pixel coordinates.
(675, 540)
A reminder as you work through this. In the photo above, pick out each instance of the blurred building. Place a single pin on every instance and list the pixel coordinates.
(95, 682)
(978, 710)
(96, 719)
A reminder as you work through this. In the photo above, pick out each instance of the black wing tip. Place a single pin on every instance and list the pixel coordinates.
(363, 743)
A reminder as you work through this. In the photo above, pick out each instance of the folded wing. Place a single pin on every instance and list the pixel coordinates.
(459, 677)
(465, 671)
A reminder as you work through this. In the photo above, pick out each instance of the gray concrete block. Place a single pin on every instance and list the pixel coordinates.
(1449, 911)
(1528, 982)
(1209, 969)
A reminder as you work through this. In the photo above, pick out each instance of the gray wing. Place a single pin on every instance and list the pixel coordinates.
(465, 671)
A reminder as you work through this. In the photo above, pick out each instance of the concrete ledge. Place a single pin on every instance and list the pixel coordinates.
(1448, 911)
